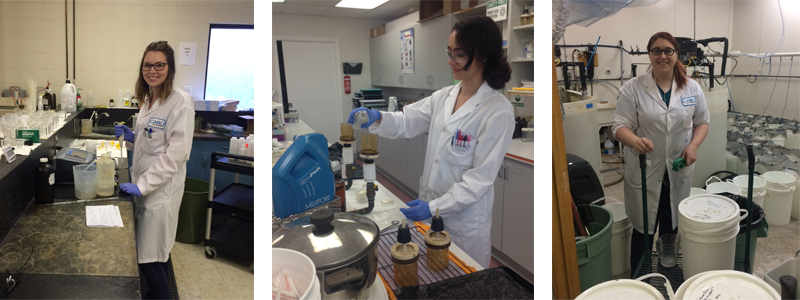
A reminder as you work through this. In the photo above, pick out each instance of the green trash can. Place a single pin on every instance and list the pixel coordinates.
(759, 228)
(594, 253)
(192, 215)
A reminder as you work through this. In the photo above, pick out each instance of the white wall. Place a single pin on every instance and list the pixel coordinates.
(749, 25)
(353, 37)
(111, 37)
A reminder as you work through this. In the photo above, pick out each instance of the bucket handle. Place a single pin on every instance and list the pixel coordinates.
(666, 282)
(720, 228)
(715, 177)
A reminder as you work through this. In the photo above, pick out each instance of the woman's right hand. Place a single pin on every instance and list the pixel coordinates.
(643, 145)
(374, 116)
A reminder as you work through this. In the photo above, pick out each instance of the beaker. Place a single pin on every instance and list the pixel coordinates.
(668, 246)
(85, 181)
(86, 126)
(360, 118)
(369, 144)
(347, 132)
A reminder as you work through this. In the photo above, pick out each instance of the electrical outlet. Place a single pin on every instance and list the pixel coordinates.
(608, 72)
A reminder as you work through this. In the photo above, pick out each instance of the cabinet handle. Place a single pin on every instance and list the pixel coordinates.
(500, 173)
(505, 171)
(401, 78)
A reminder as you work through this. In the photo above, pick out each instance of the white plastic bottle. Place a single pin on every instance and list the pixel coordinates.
(243, 149)
(105, 175)
(251, 147)
(68, 95)
(126, 102)
(233, 148)
(118, 100)
(90, 98)
(608, 147)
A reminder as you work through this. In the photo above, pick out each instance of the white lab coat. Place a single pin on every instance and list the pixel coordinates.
(458, 177)
(641, 109)
(161, 148)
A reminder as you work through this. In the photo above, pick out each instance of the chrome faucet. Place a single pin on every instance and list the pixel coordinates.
(95, 114)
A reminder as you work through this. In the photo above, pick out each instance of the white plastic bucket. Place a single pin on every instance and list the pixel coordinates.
(789, 267)
(796, 196)
(792, 140)
(620, 239)
(626, 289)
(301, 270)
(721, 187)
(722, 285)
(708, 225)
(780, 195)
(697, 191)
(759, 188)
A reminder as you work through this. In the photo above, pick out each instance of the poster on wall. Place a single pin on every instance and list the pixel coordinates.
(407, 51)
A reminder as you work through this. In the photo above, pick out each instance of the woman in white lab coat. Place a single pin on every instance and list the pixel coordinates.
(161, 149)
(662, 114)
(470, 126)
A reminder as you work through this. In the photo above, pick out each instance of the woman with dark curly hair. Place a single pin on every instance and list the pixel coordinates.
(470, 126)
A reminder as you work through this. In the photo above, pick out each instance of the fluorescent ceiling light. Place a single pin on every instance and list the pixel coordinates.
(278, 1)
(361, 4)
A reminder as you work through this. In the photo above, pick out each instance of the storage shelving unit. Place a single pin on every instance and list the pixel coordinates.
(234, 233)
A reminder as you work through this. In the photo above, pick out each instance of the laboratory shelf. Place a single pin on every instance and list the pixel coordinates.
(237, 198)
(234, 235)
(523, 27)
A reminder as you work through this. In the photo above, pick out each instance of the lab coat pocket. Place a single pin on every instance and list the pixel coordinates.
(459, 156)
(155, 142)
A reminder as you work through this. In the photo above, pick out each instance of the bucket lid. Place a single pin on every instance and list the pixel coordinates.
(621, 289)
(778, 177)
(697, 191)
(741, 181)
(723, 187)
(709, 208)
(618, 210)
(728, 285)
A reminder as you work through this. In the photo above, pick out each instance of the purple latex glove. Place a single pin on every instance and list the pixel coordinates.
(418, 210)
(130, 188)
(122, 129)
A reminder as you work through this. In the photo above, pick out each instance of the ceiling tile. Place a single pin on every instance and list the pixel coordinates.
(325, 3)
(399, 5)
(339, 12)
(277, 8)
(311, 10)
(383, 15)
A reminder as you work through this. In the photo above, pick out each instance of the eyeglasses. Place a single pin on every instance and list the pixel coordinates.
(158, 66)
(457, 57)
(657, 52)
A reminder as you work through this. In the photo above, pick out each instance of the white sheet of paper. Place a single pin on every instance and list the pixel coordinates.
(186, 53)
(103, 216)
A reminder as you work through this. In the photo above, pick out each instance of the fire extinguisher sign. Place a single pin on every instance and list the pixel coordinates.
(347, 84)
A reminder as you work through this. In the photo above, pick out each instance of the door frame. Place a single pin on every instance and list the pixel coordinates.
(337, 60)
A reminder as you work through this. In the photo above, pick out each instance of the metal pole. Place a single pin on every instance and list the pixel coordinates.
(621, 70)
(66, 36)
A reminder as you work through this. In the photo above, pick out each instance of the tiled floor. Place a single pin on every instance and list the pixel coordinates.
(780, 244)
(224, 277)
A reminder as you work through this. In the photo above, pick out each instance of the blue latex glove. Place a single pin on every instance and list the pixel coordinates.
(418, 210)
(374, 116)
(130, 188)
(122, 129)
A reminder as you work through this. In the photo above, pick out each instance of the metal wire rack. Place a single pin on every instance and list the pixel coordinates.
(388, 238)
(650, 264)
(334, 206)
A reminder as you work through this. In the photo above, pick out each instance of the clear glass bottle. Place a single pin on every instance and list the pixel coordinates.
(105, 175)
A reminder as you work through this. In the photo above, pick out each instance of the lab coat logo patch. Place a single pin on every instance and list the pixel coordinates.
(688, 101)
(157, 123)
(461, 141)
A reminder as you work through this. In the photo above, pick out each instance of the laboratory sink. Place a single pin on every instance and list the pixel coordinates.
(104, 130)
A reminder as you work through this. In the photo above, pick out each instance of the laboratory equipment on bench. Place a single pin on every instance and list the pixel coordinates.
(369, 152)
(347, 139)
(85, 181)
(105, 175)
(301, 179)
(68, 97)
(68, 157)
(405, 255)
(437, 240)
(45, 182)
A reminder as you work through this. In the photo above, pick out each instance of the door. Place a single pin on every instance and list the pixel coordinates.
(497, 209)
(312, 78)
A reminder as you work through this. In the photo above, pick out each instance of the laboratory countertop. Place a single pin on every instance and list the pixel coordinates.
(68, 259)
(383, 214)
(517, 150)
(197, 136)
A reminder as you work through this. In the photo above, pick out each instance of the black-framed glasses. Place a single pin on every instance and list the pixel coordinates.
(457, 57)
(158, 66)
(657, 52)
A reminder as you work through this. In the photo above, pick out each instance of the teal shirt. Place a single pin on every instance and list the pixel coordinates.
(664, 96)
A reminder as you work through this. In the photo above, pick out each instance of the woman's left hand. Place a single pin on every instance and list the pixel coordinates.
(690, 154)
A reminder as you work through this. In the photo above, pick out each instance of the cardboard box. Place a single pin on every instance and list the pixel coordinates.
(377, 31)
(251, 128)
(429, 9)
(451, 6)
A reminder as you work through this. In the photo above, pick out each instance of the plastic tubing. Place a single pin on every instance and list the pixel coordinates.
(783, 34)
